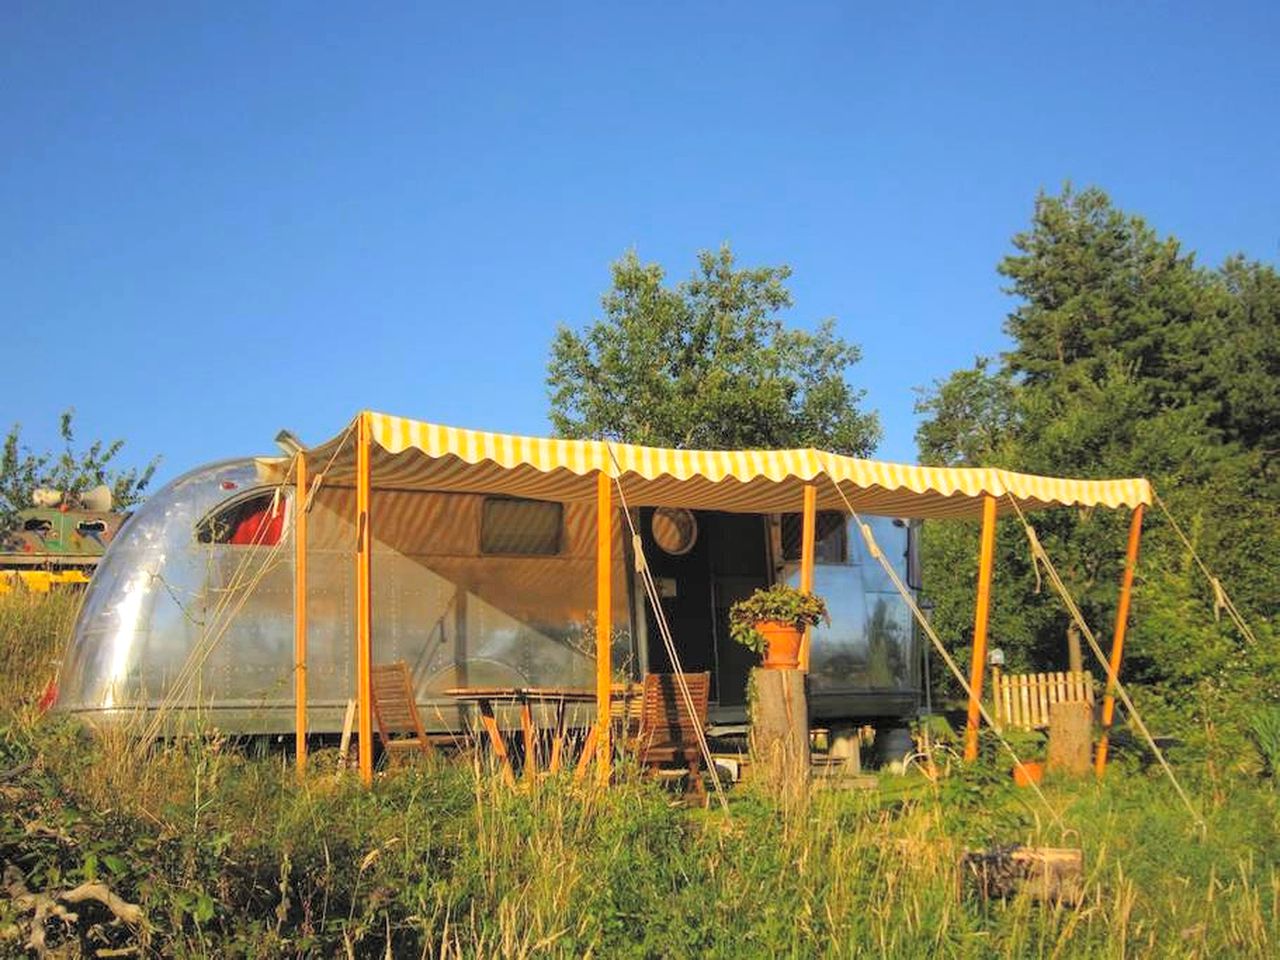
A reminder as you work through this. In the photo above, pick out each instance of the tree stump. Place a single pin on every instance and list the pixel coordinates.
(1052, 874)
(1070, 738)
(780, 730)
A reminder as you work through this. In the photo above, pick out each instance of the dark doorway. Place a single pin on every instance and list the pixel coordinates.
(725, 561)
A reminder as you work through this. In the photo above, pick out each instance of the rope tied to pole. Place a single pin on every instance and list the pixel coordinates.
(664, 630)
(1221, 599)
(1035, 559)
(876, 553)
(1113, 680)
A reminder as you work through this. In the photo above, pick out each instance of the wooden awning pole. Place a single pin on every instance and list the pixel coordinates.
(982, 611)
(808, 528)
(1117, 640)
(364, 607)
(604, 624)
(300, 610)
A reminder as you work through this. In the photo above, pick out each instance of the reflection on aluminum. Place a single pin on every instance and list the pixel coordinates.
(205, 631)
(168, 623)
(869, 646)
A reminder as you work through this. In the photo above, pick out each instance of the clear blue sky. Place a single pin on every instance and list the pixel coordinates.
(216, 221)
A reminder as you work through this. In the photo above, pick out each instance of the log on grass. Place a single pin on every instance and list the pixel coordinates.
(1051, 874)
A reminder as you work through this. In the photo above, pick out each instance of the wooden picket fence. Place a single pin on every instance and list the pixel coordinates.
(1022, 701)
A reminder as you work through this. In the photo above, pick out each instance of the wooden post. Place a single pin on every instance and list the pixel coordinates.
(977, 666)
(1070, 729)
(604, 624)
(300, 490)
(779, 723)
(846, 745)
(1117, 640)
(364, 607)
(808, 528)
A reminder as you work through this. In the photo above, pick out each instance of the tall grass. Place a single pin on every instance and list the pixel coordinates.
(1264, 731)
(33, 631)
(231, 855)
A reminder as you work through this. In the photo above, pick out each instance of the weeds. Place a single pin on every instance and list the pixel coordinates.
(1264, 731)
(228, 853)
(33, 630)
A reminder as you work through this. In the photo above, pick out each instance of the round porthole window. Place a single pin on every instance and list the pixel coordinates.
(675, 530)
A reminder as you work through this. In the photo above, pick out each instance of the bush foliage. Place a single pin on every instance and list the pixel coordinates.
(228, 853)
(1127, 359)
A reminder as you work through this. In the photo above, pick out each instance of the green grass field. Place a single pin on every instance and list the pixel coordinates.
(228, 854)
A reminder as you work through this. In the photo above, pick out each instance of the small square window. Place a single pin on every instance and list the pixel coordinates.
(523, 528)
(831, 541)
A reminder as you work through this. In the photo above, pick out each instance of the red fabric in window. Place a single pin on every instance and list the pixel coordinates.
(259, 527)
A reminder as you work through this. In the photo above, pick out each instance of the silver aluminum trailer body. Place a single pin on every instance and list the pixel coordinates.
(191, 616)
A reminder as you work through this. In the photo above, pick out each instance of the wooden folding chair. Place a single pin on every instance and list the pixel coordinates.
(395, 710)
(669, 733)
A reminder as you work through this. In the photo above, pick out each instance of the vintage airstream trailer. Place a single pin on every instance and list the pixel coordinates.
(190, 613)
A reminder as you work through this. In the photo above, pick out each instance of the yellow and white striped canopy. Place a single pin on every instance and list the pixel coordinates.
(412, 455)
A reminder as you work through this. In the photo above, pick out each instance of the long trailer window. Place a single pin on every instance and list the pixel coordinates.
(523, 528)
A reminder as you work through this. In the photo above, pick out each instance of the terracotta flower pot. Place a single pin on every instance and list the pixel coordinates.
(1031, 771)
(782, 645)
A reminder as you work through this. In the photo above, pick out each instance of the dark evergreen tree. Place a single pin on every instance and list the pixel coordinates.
(1127, 359)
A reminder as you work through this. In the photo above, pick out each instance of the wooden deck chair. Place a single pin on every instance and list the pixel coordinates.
(625, 709)
(395, 710)
(668, 731)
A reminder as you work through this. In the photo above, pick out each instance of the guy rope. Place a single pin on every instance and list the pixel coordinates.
(874, 549)
(664, 629)
(1113, 681)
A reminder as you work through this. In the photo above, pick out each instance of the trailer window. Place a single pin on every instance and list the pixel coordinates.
(255, 521)
(525, 528)
(831, 539)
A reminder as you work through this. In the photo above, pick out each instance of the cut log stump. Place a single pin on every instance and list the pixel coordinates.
(1052, 874)
(780, 730)
(1070, 739)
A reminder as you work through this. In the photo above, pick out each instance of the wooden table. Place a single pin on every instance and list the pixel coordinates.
(526, 697)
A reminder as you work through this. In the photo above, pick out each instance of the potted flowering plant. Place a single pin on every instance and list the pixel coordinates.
(772, 621)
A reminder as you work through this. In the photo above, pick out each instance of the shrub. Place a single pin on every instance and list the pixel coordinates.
(1264, 731)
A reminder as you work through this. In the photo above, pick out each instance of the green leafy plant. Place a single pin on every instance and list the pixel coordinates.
(72, 471)
(707, 362)
(781, 603)
(1264, 731)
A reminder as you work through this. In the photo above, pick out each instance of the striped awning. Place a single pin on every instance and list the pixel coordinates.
(412, 455)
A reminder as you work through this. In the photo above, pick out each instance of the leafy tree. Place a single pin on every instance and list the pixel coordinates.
(706, 363)
(970, 416)
(1128, 359)
(70, 470)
